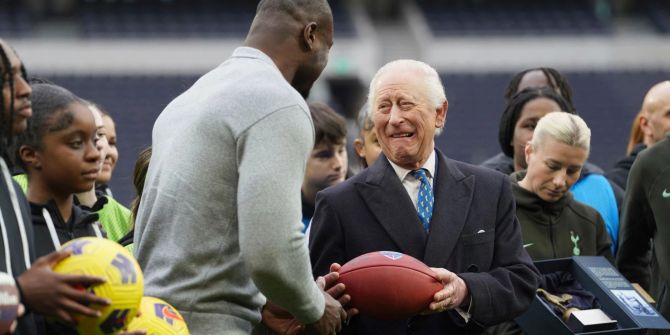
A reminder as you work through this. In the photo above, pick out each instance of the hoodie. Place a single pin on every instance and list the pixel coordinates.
(16, 241)
(113, 216)
(559, 229)
(592, 188)
(51, 231)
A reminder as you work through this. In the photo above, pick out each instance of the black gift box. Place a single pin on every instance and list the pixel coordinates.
(616, 295)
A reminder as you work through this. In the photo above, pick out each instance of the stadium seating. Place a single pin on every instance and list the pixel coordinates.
(15, 20)
(181, 18)
(511, 17)
(659, 14)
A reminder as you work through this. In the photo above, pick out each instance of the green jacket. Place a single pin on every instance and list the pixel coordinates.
(114, 217)
(646, 215)
(564, 228)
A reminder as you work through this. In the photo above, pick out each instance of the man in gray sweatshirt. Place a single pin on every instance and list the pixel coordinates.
(218, 228)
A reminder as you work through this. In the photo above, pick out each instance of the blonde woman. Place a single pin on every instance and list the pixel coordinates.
(553, 223)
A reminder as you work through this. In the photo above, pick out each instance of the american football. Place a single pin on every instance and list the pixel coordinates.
(389, 285)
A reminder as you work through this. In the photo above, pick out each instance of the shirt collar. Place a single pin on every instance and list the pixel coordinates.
(429, 165)
(249, 52)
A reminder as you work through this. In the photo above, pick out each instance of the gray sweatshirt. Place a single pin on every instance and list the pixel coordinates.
(219, 225)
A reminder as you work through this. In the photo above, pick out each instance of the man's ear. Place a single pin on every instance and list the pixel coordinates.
(441, 114)
(644, 125)
(30, 157)
(309, 35)
(358, 147)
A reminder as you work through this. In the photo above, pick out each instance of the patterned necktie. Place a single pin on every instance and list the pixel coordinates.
(425, 200)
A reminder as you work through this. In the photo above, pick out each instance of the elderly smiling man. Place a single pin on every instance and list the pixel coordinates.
(455, 217)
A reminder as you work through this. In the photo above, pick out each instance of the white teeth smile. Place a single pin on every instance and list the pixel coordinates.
(402, 135)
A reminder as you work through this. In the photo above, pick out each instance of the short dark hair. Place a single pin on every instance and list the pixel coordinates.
(313, 8)
(49, 104)
(365, 124)
(330, 127)
(557, 81)
(364, 120)
(281, 18)
(512, 113)
(139, 175)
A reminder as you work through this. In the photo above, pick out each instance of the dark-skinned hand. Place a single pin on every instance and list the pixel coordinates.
(54, 294)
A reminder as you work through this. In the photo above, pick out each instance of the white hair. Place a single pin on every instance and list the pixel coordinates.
(564, 128)
(431, 80)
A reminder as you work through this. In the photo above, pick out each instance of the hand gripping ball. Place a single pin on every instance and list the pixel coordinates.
(389, 285)
(124, 285)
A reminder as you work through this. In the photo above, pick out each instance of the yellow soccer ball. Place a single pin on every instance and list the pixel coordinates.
(124, 284)
(159, 318)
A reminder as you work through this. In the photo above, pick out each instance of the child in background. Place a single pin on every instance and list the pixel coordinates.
(88, 198)
(59, 152)
(114, 217)
(366, 145)
(139, 175)
(327, 164)
(109, 129)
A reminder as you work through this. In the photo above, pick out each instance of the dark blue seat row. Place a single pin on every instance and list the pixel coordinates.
(658, 12)
(158, 18)
(15, 20)
(511, 17)
(196, 18)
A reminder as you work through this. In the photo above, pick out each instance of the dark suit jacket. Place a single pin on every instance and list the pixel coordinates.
(372, 211)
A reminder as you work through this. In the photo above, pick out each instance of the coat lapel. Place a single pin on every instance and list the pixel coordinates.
(453, 196)
(389, 202)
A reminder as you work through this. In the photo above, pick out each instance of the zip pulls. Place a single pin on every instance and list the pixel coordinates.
(19, 219)
(52, 228)
(552, 222)
(5, 243)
